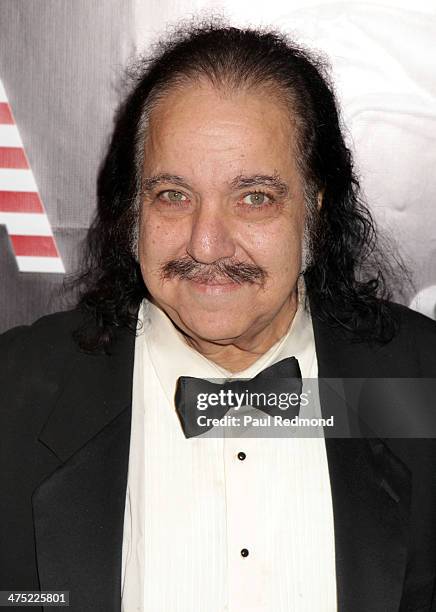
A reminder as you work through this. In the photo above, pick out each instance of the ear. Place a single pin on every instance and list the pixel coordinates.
(320, 198)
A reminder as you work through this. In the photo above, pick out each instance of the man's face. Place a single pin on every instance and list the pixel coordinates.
(223, 212)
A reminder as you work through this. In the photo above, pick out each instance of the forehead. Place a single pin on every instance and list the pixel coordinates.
(214, 132)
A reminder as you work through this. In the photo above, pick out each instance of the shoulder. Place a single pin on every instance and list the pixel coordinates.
(45, 327)
(415, 338)
(412, 321)
(408, 350)
(49, 334)
(38, 358)
(35, 360)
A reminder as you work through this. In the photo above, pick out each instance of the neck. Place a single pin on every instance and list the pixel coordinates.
(243, 352)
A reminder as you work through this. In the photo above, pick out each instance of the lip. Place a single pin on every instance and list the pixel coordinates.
(214, 288)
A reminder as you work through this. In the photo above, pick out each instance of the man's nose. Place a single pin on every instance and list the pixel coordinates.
(211, 235)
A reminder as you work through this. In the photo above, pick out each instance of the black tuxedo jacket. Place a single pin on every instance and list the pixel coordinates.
(65, 432)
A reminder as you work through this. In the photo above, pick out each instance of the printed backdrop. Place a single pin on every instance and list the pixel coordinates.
(61, 68)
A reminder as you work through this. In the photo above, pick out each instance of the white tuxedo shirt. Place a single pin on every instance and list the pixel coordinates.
(192, 505)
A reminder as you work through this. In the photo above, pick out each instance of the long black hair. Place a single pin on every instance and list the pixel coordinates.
(346, 279)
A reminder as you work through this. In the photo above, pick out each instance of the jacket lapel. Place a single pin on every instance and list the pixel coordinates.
(79, 509)
(370, 489)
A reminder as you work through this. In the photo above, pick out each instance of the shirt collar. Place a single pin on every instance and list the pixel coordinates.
(172, 357)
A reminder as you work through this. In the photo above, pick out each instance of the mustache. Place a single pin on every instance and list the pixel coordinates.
(188, 269)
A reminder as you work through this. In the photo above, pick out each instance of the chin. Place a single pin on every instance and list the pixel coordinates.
(214, 330)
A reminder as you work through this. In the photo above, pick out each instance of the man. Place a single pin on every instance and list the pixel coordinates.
(230, 236)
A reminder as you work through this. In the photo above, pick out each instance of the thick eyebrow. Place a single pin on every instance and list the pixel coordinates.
(274, 181)
(149, 183)
(239, 182)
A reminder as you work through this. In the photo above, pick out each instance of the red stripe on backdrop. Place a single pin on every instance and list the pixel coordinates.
(5, 114)
(34, 246)
(12, 157)
(20, 201)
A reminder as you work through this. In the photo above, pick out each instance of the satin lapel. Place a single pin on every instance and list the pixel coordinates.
(79, 509)
(370, 492)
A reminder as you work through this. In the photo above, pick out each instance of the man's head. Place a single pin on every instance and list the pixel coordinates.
(222, 211)
(226, 178)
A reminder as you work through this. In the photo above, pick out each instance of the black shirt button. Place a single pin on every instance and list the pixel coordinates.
(244, 552)
(241, 457)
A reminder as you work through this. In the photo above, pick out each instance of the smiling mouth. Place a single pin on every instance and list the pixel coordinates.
(214, 282)
(214, 287)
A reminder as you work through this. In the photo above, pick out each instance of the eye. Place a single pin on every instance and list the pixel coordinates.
(172, 196)
(257, 198)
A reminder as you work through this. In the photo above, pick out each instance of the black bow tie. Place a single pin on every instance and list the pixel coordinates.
(283, 377)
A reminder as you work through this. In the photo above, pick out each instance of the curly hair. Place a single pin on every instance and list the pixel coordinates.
(346, 279)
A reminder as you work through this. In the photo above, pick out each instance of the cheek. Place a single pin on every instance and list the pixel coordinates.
(278, 249)
(158, 241)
